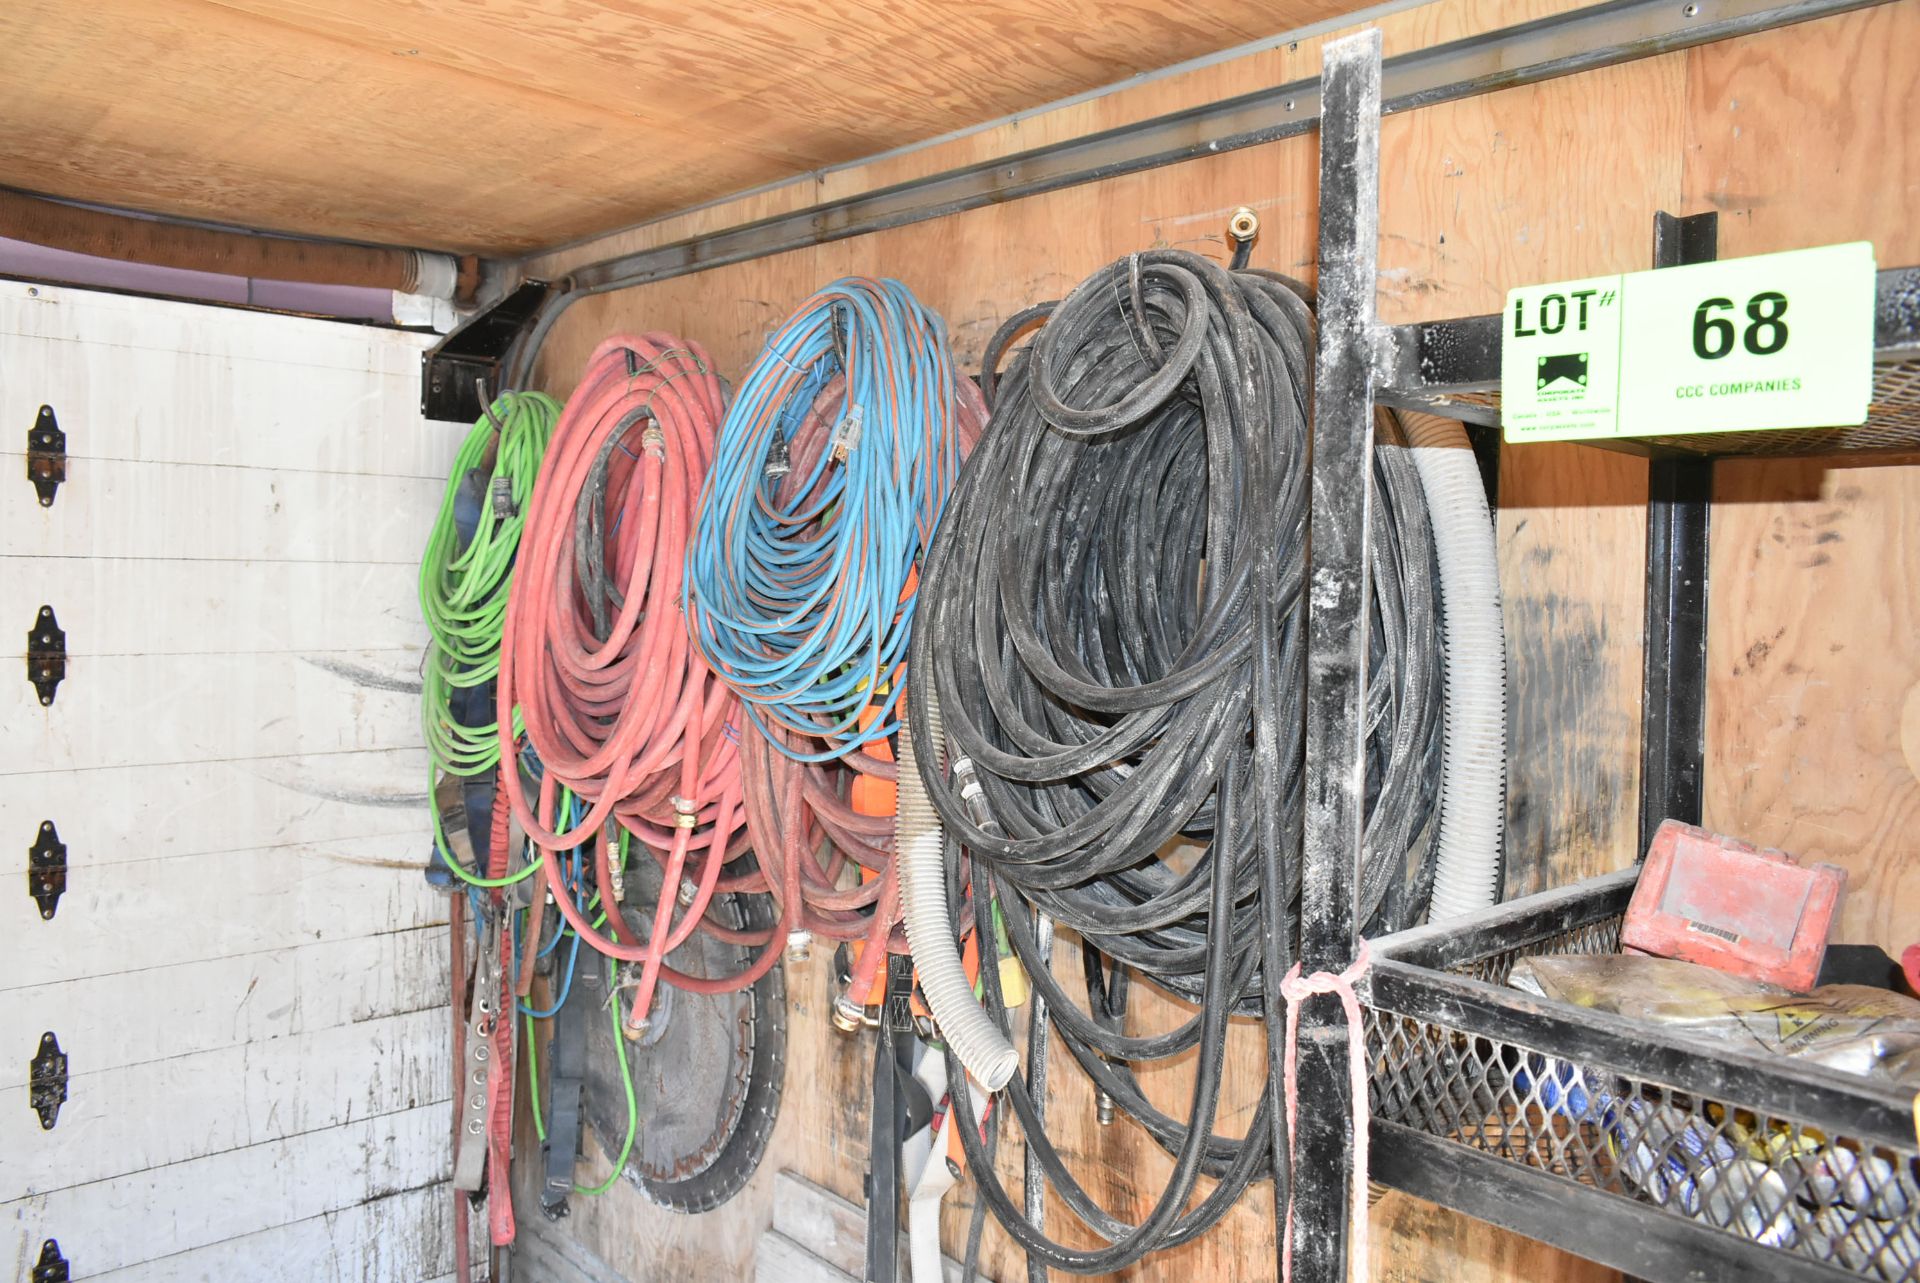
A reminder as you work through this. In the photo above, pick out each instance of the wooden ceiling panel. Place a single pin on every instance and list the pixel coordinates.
(502, 126)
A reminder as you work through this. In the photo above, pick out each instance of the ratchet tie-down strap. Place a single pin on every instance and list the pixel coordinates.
(475, 1096)
(500, 985)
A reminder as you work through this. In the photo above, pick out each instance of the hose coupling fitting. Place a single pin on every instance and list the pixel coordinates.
(689, 892)
(847, 1014)
(799, 946)
(1103, 1110)
(971, 793)
(1243, 225)
(685, 812)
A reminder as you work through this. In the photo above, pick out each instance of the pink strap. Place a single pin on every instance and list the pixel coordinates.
(1296, 991)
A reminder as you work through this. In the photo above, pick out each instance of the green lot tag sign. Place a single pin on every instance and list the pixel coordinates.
(1776, 341)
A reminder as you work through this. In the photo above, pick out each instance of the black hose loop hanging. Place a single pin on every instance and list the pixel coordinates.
(1113, 614)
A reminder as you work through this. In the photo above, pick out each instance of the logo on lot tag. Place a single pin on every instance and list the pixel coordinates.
(1566, 373)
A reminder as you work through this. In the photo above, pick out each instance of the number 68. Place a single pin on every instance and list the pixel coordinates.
(1766, 332)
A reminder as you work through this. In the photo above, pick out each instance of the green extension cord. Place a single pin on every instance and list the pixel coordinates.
(463, 596)
(463, 593)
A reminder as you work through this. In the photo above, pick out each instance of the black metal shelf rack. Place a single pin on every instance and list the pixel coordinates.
(1452, 368)
(1622, 1142)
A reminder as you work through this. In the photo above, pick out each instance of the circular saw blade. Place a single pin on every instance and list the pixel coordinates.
(707, 1077)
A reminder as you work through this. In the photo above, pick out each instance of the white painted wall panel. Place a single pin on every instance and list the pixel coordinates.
(121, 508)
(122, 815)
(223, 1100)
(375, 1240)
(247, 971)
(239, 410)
(240, 902)
(103, 326)
(156, 1213)
(124, 606)
(227, 1002)
(131, 710)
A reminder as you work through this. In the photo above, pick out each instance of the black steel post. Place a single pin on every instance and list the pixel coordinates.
(1679, 500)
(1342, 488)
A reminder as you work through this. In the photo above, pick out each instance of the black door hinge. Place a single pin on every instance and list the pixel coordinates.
(47, 869)
(51, 1267)
(46, 455)
(46, 654)
(47, 1079)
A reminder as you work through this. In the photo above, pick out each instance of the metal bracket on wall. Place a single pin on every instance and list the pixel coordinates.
(46, 655)
(46, 455)
(47, 869)
(453, 371)
(47, 1079)
(51, 1267)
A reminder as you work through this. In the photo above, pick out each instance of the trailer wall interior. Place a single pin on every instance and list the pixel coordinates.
(247, 972)
(1796, 137)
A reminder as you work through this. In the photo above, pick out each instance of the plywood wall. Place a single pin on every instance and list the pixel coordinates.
(1797, 138)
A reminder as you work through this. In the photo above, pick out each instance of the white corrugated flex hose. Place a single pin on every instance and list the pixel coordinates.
(920, 851)
(1473, 775)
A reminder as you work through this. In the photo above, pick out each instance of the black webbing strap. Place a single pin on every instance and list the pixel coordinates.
(567, 1059)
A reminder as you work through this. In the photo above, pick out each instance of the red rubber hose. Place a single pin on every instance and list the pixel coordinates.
(618, 706)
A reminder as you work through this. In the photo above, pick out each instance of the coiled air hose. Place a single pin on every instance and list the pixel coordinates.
(1113, 626)
(832, 469)
(464, 583)
(619, 710)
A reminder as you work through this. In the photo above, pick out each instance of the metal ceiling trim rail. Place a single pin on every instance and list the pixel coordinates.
(1585, 39)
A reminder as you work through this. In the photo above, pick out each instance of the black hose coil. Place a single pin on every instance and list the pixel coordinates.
(1113, 617)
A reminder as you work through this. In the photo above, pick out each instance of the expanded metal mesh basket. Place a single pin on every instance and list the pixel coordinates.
(1892, 426)
(1626, 1142)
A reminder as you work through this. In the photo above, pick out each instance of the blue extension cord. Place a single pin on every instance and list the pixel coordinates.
(798, 606)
